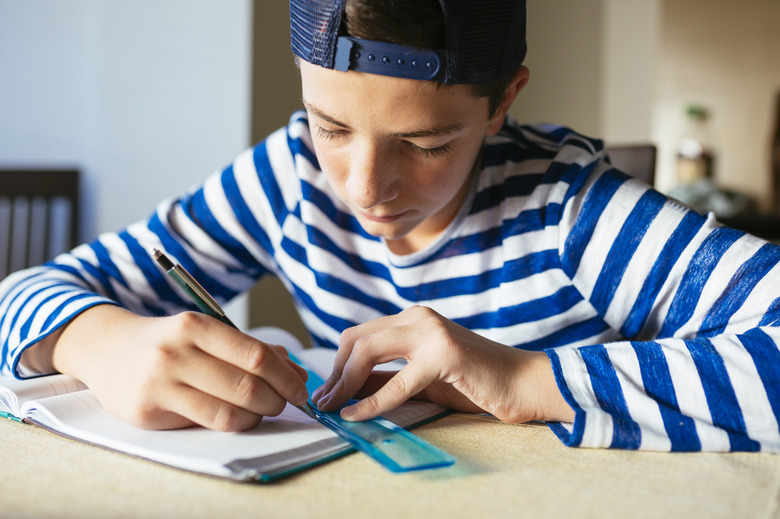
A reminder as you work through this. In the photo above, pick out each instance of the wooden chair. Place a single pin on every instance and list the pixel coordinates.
(39, 216)
(635, 160)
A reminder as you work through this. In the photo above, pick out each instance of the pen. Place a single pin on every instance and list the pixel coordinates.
(197, 293)
(203, 299)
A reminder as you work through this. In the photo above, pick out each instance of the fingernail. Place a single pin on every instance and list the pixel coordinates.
(348, 412)
(301, 398)
(322, 402)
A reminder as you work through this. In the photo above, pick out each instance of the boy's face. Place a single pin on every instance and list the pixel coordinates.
(400, 153)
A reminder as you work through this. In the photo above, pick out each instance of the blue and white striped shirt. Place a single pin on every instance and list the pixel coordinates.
(661, 326)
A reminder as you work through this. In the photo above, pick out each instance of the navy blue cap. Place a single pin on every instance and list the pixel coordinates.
(484, 41)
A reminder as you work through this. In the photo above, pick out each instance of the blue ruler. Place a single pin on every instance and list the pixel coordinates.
(394, 447)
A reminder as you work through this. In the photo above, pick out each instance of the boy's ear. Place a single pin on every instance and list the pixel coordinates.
(515, 86)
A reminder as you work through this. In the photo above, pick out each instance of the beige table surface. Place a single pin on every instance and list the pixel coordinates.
(502, 470)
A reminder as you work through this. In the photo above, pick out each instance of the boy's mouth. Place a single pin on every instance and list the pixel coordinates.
(384, 218)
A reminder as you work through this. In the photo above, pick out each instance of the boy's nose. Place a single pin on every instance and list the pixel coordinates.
(371, 179)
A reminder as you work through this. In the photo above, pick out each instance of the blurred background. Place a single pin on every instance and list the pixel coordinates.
(148, 97)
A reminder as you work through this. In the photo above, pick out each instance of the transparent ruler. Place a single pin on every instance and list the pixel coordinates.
(394, 447)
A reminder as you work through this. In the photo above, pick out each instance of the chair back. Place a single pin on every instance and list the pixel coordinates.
(39, 216)
(635, 160)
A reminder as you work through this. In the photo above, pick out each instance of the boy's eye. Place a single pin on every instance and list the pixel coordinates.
(430, 153)
(327, 135)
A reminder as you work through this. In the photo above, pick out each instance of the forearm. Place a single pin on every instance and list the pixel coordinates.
(98, 336)
(77, 342)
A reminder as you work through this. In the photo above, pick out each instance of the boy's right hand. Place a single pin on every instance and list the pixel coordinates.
(177, 371)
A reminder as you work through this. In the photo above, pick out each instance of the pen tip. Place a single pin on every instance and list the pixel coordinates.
(162, 259)
(306, 408)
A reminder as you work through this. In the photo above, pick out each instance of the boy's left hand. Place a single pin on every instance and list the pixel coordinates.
(447, 364)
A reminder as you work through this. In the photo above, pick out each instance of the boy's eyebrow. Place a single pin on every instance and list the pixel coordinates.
(424, 132)
(322, 115)
(430, 132)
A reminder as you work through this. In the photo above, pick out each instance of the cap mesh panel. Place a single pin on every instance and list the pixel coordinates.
(485, 39)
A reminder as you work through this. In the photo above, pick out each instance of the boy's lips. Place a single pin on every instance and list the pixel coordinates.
(384, 218)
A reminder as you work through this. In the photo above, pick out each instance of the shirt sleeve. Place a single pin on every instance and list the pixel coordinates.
(699, 308)
(223, 232)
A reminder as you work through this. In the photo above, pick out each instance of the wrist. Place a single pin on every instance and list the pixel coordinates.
(81, 342)
(549, 404)
(37, 358)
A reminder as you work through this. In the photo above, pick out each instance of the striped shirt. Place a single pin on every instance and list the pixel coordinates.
(661, 325)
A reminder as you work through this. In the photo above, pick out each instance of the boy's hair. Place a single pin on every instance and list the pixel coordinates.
(480, 43)
(413, 23)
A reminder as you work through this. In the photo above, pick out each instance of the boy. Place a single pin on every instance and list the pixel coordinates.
(511, 266)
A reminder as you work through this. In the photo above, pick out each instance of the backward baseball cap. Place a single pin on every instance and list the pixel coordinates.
(484, 41)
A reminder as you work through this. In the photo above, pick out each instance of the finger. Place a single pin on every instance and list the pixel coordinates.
(368, 351)
(210, 412)
(352, 335)
(154, 418)
(401, 387)
(439, 392)
(318, 393)
(374, 382)
(260, 359)
(282, 352)
(353, 377)
(226, 382)
(299, 369)
(347, 344)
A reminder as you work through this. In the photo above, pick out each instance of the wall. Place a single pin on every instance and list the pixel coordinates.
(726, 56)
(147, 97)
(276, 93)
(632, 30)
(592, 66)
(564, 56)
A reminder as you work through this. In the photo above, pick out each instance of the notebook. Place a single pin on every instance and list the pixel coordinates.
(276, 447)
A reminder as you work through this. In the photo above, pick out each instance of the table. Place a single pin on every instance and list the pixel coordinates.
(502, 470)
